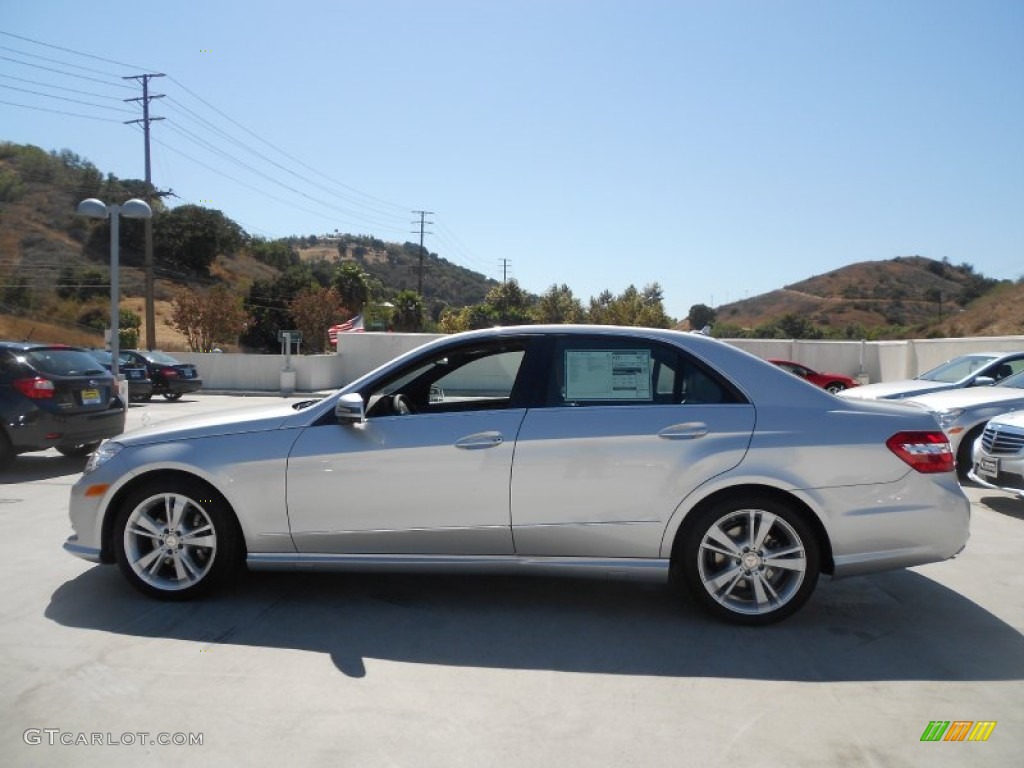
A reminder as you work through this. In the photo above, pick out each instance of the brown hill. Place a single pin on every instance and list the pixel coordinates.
(905, 296)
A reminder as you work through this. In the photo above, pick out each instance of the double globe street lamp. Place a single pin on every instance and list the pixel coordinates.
(97, 209)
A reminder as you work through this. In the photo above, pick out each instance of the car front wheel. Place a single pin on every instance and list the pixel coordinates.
(835, 387)
(175, 539)
(83, 449)
(172, 395)
(750, 560)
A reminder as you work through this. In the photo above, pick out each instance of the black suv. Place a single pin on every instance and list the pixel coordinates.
(171, 377)
(54, 396)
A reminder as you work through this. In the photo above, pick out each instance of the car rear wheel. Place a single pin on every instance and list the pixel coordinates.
(750, 560)
(7, 454)
(175, 539)
(83, 449)
(172, 395)
(965, 453)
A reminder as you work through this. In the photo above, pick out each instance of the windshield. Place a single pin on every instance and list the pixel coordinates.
(161, 357)
(958, 368)
(64, 362)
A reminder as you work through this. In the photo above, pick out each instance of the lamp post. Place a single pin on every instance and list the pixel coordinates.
(97, 209)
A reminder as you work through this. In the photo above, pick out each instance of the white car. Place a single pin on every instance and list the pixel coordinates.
(573, 450)
(974, 370)
(999, 454)
(963, 413)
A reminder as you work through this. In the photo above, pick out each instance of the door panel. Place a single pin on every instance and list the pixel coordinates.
(420, 483)
(602, 481)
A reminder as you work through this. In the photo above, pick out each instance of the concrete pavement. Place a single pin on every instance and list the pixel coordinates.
(360, 670)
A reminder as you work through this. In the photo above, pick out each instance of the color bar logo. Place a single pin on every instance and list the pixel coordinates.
(958, 730)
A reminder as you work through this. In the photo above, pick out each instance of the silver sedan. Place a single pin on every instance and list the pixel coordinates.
(573, 450)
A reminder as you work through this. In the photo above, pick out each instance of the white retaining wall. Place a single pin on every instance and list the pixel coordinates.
(359, 353)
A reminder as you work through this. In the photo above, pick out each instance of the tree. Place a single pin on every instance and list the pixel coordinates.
(208, 317)
(509, 304)
(191, 236)
(407, 315)
(128, 325)
(315, 310)
(701, 315)
(558, 305)
(353, 286)
(631, 307)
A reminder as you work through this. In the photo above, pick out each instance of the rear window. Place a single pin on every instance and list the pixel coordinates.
(63, 362)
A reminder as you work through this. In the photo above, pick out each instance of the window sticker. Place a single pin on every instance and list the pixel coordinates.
(608, 374)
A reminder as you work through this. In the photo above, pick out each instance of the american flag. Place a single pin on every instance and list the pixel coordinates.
(354, 325)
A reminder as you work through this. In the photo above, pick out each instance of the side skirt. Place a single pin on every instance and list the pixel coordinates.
(624, 569)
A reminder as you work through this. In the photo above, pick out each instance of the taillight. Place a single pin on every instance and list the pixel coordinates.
(924, 451)
(169, 373)
(37, 388)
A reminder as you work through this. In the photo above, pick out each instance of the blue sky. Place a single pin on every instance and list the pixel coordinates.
(722, 149)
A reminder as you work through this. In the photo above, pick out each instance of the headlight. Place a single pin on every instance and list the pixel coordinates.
(102, 455)
(947, 418)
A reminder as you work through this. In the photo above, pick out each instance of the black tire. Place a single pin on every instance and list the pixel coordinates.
(7, 454)
(835, 387)
(83, 449)
(203, 549)
(744, 587)
(145, 398)
(172, 395)
(964, 454)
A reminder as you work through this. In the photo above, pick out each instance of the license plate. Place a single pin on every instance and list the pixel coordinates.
(988, 466)
(187, 374)
(91, 397)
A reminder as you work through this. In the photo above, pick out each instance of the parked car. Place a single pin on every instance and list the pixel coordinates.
(577, 450)
(999, 454)
(974, 370)
(140, 386)
(963, 413)
(54, 396)
(833, 382)
(171, 377)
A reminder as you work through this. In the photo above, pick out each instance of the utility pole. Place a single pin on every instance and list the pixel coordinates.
(423, 223)
(148, 260)
(504, 271)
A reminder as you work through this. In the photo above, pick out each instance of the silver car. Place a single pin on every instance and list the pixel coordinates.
(978, 369)
(574, 450)
(963, 413)
(999, 454)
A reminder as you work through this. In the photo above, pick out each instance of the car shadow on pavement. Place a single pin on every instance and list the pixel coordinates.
(28, 467)
(1005, 505)
(893, 626)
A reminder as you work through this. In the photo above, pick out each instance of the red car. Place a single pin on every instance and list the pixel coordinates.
(833, 382)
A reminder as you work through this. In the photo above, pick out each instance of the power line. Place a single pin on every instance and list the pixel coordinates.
(423, 222)
(65, 98)
(70, 50)
(62, 88)
(59, 112)
(56, 61)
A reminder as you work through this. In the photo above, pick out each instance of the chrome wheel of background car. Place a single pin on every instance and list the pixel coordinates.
(84, 449)
(753, 561)
(835, 387)
(172, 395)
(174, 540)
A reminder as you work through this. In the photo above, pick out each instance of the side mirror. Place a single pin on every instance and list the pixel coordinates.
(983, 381)
(350, 409)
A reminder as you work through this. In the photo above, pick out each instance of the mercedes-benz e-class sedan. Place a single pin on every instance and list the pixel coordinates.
(575, 450)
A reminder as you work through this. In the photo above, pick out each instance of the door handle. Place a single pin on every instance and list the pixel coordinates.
(480, 440)
(688, 431)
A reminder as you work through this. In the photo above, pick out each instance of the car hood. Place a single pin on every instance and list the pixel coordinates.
(893, 390)
(251, 419)
(1015, 419)
(967, 398)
